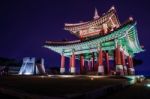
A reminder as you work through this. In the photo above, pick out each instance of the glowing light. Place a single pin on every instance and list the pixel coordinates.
(42, 76)
(112, 8)
(96, 76)
(148, 85)
(73, 76)
(49, 75)
(66, 76)
(27, 73)
(131, 18)
(92, 78)
(132, 79)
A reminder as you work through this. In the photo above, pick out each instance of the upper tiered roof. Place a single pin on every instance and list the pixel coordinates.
(95, 26)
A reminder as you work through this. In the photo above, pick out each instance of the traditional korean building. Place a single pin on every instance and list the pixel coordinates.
(101, 40)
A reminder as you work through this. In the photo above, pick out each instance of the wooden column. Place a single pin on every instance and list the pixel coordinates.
(81, 64)
(117, 56)
(62, 61)
(123, 62)
(107, 62)
(93, 61)
(89, 65)
(100, 62)
(72, 63)
(62, 68)
(119, 67)
(130, 65)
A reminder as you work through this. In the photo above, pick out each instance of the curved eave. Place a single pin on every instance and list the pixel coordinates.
(94, 42)
(64, 43)
(132, 39)
(87, 24)
(59, 43)
(75, 24)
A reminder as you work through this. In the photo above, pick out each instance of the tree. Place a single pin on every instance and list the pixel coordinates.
(9, 62)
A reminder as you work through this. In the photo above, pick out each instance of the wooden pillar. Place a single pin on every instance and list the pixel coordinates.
(119, 67)
(107, 62)
(130, 66)
(131, 62)
(93, 61)
(123, 62)
(72, 63)
(117, 56)
(62, 68)
(100, 62)
(89, 65)
(81, 64)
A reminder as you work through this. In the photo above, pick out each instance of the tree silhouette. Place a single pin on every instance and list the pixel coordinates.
(9, 62)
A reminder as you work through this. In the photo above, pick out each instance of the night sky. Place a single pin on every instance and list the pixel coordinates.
(26, 24)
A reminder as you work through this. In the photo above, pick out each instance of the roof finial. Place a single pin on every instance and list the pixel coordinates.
(112, 8)
(131, 18)
(96, 16)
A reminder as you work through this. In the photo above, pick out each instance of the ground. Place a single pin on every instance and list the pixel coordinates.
(66, 86)
(136, 91)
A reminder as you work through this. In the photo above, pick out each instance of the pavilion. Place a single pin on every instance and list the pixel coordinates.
(101, 39)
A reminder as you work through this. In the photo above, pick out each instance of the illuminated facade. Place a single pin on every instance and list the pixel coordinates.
(32, 66)
(101, 40)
